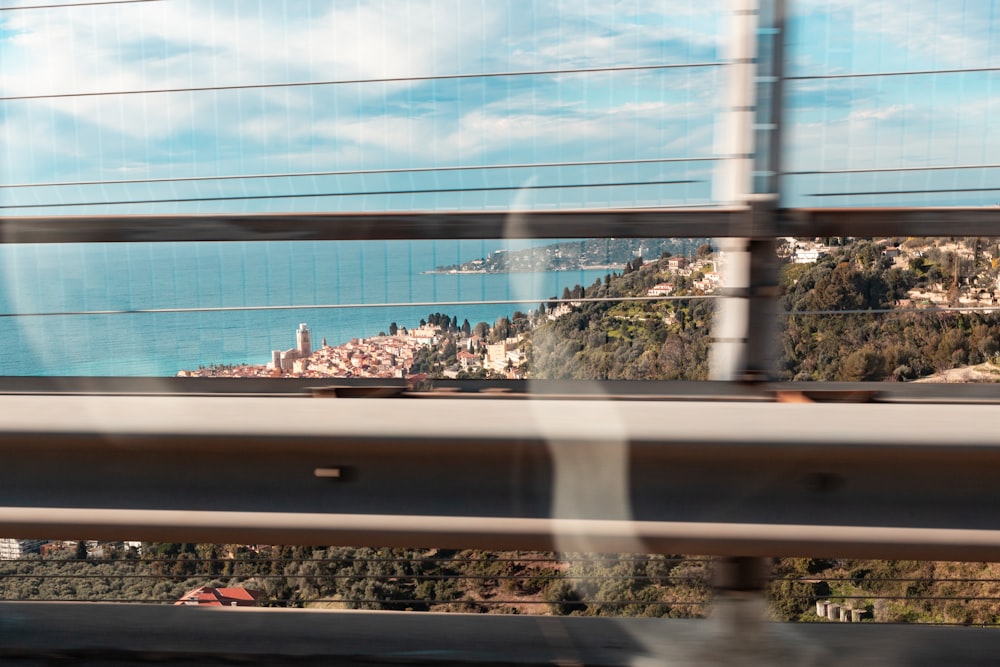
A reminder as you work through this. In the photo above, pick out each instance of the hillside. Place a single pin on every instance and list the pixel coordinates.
(574, 255)
(637, 340)
(670, 339)
(894, 346)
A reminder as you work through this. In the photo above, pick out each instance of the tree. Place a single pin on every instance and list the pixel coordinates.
(449, 350)
(466, 328)
(861, 365)
(393, 329)
(501, 330)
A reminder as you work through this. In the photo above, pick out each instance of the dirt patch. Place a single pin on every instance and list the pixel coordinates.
(980, 373)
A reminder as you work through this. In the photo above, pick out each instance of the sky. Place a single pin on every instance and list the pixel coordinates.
(651, 119)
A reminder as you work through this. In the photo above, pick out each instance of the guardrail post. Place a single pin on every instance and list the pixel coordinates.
(740, 635)
(749, 137)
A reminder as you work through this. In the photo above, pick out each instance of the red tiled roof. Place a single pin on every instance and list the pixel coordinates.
(220, 597)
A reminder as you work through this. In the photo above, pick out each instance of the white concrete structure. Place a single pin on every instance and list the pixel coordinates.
(12, 549)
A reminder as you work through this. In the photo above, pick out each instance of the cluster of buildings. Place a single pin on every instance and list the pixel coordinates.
(802, 251)
(376, 357)
(294, 359)
(704, 270)
(938, 296)
(15, 549)
(971, 292)
(809, 251)
(392, 356)
(505, 357)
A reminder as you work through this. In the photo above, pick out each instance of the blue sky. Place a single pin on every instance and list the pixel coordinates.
(882, 122)
(887, 122)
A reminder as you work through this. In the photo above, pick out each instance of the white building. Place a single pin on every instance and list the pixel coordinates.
(807, 255)
(286, 360)
(660, 289)
(12, 549)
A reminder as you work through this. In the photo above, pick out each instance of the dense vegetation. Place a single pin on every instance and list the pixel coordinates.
(633, 340)
(366, 578)
(503, 583)
(886, 346)
(670, 340)
(890, 591)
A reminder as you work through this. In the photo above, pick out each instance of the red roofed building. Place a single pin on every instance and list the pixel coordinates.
(467, 358)
(206, 596)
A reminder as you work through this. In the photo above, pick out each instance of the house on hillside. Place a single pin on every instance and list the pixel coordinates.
(467, 359)
(810, 255)
(660, 289)
(206, 596)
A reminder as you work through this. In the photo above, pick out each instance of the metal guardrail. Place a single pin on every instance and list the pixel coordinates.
(719, 222)
(426, 225)
(725, 478)
(93, 634)
(897, 221)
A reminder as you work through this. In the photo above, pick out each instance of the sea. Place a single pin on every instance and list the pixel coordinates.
(153, 309)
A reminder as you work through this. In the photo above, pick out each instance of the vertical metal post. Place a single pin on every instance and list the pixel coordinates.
(745, 324)
(744, 328)
(734, 142)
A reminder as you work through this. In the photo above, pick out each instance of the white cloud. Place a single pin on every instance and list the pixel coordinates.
(918, 34)
(897, 136)
(880, 113)
(182, 43)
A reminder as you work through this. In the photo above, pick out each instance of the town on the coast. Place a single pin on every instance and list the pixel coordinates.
(441, 346)
(399, 353)
(648, 321)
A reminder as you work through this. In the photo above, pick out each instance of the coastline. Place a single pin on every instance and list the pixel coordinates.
(393, 355)
(461, 272)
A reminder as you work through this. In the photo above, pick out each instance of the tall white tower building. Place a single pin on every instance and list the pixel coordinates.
(302, 343)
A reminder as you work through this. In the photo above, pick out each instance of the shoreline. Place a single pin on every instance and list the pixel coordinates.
(460, 272)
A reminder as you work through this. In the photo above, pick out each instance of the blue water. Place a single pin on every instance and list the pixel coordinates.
(37, 280)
